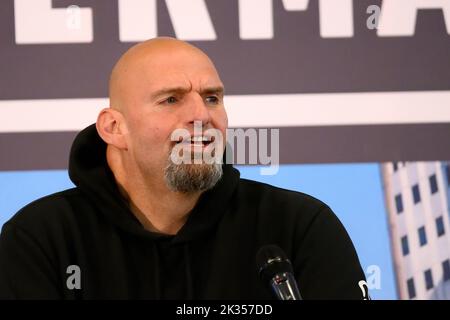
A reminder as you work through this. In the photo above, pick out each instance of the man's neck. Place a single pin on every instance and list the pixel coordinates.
(156, 207)
(159, 209)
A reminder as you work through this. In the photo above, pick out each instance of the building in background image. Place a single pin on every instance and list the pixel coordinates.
(417, 199)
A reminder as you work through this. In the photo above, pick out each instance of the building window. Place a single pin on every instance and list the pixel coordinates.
(405, 246)
(399, 203)
(416, 193)
(433, 184)
(428, 279)
(411, 288)
(395, 166)
(440, 226)
(422, 236)
(446, 269)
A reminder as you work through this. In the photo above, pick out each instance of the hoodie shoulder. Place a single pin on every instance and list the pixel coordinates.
(279, 215)
(47, 211)
(311, 235)
(279, 197)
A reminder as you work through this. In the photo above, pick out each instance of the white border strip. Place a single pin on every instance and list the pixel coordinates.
(282, 110)
(332, 109)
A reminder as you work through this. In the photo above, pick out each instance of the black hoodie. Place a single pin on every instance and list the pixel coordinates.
(89, 234)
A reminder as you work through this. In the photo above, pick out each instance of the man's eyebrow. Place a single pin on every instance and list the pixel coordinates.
(216, 90)
(169, 90)
(219, 90)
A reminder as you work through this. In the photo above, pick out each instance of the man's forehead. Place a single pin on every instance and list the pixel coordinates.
(159, 64)
(191, 80)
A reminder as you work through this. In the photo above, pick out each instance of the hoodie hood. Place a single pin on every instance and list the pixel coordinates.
(89, 171)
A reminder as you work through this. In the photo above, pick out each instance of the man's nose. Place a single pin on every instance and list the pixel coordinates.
(198, 110)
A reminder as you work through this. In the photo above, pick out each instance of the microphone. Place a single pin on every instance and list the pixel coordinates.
(275, 270)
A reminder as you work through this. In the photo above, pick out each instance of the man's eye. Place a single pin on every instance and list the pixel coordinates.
(212, 100)
(170, 100)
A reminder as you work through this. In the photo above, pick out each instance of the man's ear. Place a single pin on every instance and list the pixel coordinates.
(112, 128)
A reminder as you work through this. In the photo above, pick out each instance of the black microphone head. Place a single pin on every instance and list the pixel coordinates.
(271, 260)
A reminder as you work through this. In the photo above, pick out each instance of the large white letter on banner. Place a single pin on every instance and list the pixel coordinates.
(398, 17)
(256, 17)
(36, 22)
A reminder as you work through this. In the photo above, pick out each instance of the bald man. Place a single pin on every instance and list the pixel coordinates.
(142, 225)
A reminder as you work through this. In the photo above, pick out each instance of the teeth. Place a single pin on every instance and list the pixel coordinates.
(199, 139)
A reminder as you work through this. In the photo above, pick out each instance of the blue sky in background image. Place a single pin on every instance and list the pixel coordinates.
(353, 191)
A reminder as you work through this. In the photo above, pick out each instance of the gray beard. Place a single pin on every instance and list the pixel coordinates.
(189, 178)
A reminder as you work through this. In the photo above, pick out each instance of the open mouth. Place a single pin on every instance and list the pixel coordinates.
(199, 141)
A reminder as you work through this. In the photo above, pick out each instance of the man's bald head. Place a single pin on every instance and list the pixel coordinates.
(141, 60)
